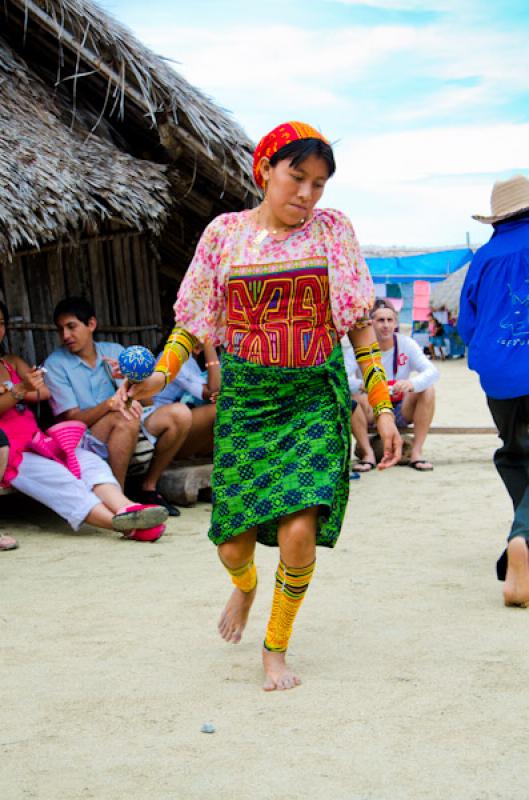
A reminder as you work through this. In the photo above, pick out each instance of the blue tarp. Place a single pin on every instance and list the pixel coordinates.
(426, 267)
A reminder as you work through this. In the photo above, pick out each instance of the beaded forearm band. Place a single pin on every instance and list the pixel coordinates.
(369, 359)
(363, 322)
(177, 350)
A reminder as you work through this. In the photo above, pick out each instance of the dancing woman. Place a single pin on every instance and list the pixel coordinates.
(277, 286)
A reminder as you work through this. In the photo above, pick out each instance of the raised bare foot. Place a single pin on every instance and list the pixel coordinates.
(278, 676)
(516, 590)
(233, 619)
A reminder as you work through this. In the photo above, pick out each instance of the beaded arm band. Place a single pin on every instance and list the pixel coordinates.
(363, 322)
(177, 350)
(369, 359)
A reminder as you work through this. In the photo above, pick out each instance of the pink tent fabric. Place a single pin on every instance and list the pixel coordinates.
(421, 301)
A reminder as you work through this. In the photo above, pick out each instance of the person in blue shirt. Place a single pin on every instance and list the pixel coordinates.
(197, 388)
(494, 323)
(80, 380)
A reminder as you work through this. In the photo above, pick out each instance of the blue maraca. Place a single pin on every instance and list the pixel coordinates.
(136, 363)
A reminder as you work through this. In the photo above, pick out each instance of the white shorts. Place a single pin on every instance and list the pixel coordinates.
(94, 445)
(54, 486)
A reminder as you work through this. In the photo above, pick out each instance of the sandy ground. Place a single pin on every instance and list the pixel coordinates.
(413, 669)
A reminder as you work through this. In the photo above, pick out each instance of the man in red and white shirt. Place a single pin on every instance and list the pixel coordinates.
(410, 376)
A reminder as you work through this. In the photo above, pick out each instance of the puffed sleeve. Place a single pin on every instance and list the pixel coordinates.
(351, 286)
(200, 304)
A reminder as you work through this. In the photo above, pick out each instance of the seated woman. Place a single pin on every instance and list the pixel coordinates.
(51, 468)
(437, 338)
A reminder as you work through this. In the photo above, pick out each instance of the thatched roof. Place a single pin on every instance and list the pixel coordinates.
(87, 114)
(56, 181)
(446, 294)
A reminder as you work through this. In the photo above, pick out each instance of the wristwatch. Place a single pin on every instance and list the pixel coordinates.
(18, 392)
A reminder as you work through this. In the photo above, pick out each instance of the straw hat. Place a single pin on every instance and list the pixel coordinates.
(508, 198)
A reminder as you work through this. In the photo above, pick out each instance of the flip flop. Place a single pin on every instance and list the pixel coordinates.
(138, 515)
(415, 465)
(368, 464)
(146, 534)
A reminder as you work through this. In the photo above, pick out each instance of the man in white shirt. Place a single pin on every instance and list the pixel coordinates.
(413, 395)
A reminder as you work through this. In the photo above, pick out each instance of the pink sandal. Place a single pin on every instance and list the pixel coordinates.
(8, 542)
(137, 515)
(146, 534)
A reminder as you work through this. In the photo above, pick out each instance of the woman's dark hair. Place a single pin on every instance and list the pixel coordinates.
(301, 149)
(78, 307)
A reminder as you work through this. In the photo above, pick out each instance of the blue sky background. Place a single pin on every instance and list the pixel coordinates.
(427, 101)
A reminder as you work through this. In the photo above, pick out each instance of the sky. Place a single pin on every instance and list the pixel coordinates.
(425, 101)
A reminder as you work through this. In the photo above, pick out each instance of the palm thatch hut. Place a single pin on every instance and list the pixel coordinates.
(111, 165)
(446, 294)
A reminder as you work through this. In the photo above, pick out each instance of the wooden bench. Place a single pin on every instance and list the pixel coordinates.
(185, 482)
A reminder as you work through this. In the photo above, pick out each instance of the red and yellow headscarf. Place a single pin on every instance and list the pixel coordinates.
(284, 134)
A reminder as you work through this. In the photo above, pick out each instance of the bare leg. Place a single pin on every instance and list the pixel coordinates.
(199, 441)
(4, 456)
(171, 425)
(516, 589)
(419, 408)
(120, 436)
(112, 499)
(297, 546)
(6, 542)
(359, 426)
(111, 496)
(100, 516)
(235, 553)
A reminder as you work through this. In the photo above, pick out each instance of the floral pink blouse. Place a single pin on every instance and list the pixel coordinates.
(234, 250)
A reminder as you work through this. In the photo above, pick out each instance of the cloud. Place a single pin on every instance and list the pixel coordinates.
(406, 5)
(420, 188)
(275, 55)
(416, 155)
(408, 185)
(323, 70)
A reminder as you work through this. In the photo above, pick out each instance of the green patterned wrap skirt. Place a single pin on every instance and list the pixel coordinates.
(282, 443)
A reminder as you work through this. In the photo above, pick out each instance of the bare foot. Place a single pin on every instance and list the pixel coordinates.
(233, 619)
(278, 675)
(516, 591)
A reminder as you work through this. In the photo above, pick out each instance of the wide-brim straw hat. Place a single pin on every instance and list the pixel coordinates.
(508, 198)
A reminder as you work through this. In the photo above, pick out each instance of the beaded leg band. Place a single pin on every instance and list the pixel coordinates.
(290, 589)
(245, 577)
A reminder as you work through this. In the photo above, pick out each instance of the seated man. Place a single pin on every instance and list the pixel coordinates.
(413, 396)
(82, 388)
(197, 389)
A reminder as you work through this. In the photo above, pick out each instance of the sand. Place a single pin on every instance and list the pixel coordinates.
(412, 667)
